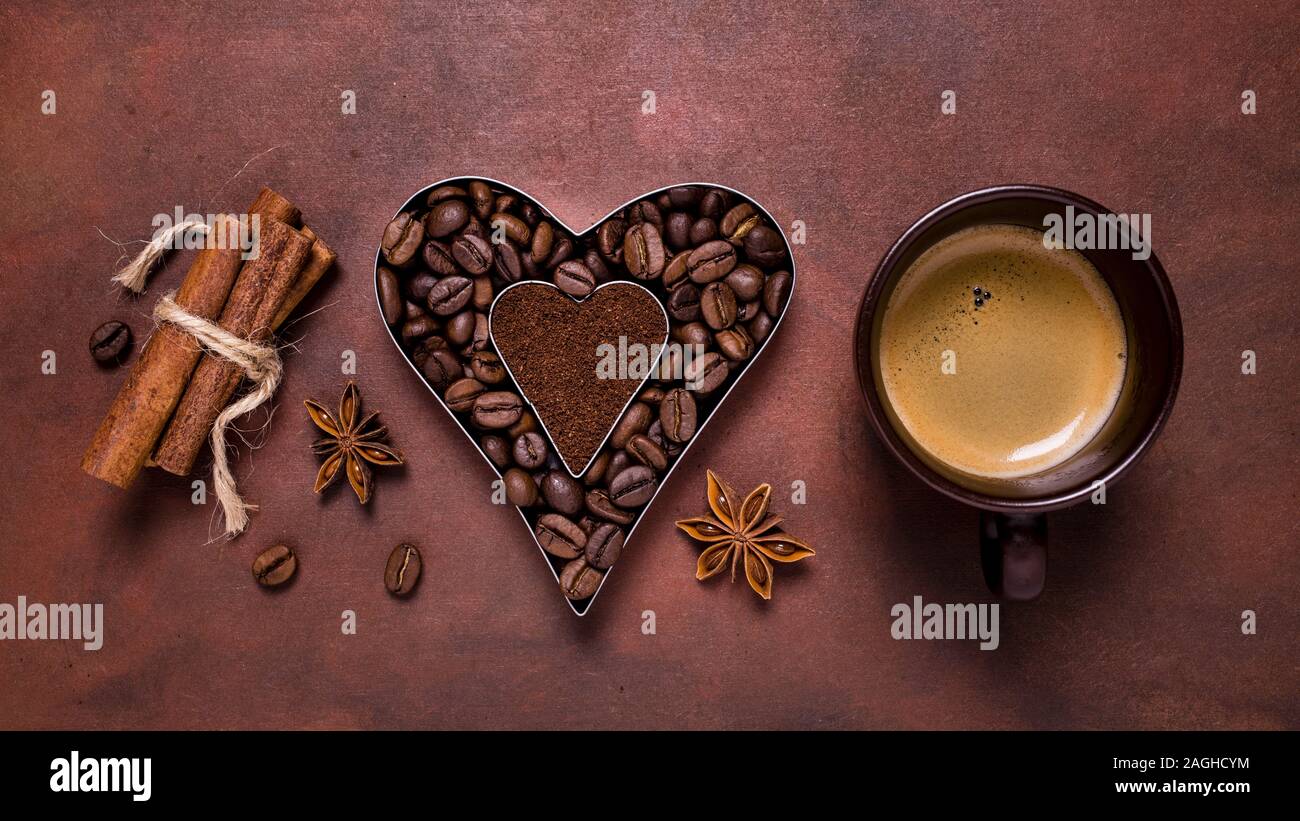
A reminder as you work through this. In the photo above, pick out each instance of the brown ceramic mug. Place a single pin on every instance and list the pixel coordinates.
(1013, 525)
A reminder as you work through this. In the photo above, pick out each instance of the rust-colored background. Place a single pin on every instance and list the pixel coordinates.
(825, 113)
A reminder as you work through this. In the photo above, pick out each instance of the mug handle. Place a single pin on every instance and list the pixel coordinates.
(1013, 550)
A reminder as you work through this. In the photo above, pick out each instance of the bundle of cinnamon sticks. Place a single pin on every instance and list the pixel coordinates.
(166, 409)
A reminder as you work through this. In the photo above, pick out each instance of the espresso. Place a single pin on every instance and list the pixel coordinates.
(1000, 357)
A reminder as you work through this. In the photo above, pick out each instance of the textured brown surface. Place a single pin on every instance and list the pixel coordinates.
(826, 114)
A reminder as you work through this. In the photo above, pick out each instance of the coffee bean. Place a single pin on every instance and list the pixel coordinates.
(604, 547)
(677, 413)
(560, 536)
(425, 347)
(410, 310)
(506, 203)
(531, 214)
(562, 249)
(402, 238)
(764, 247)
(441, 368)
(438, 258)
(509, 262)
(746, 281)
(275, 565)
(760, 326)
(543, 236)
(712, 204)
(596, 470)
(461, 394)
(643, 449)
(693, 333)
(618, 462)
(481, 193)
(652, 395)
(684, 302)
(684, 196)
(450, 295)
(402, 570)
(635, 420)
(718, 305)
(746, 311)
(735, 344)
(562, 492)
(413, 330)
(445, 192)
(633, 487)
(111, 342)
(527, 424)
(580, 580)
(609, 240)
(460, 328)
(711, 261)
(474, 254)
(474, 228)
(705, 374)
(497, 450)
(496, 409)
(513, 227)
(575, 279)
(419, 286)
(776, 292)
(487, 367)
(643, 251)
(703, 230)
(521, 490)
(446, 218)
(736, 219)
(675, 270)
(390, 295)
(481, 335)
(677, 230)
(600, 506)
(530, 450)
(596, 264)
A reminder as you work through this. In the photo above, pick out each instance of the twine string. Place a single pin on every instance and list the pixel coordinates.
(135, 274)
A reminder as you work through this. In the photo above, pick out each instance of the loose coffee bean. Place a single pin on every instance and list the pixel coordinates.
(450, 295)
(635, 420)
(509, 262)
(675, 270)
(445, 192)
(575, 279)
(441, 368)
(426, 347)
(703, 230)
(474, 254)
(705, 374)
(461, 394)
(604, 546)
(677, 230)
(446, 218)
(543, 236)
(646, 211)
(693, 333)
(521, 490)
(460, 328)
(776, 292)
(643, 449)
(481, 336)
(683, 196)
(531, 214)
(513, 227)
(506, 203)
(746, 281)
(481, 193)
(735, 344)
(588, 525)
(438, 258)
(600, 506)
(596, 470)
(711, 261)
(530, 451)
(390, 295)
(746, 311)
(111, 342)
(736, 218)
(684, 302)
(275, 565)
(562, 492)
(482, 299)
(712, 204)
(633, 487)
(677, 414)
(652, 395)
(411, 310)
(760, 326)
(496, 409)
(416, 329)
(764, 247)
(497, 450)
(402, 570)
(527, 424)
(487, 367)
(643, 251)
(580, 580)
(618, 462)
(609, 240)
(419, 286)
(560, 536)
(402, 238)
(596, 264)
(718, 305)
(562, 249)
(474, 228)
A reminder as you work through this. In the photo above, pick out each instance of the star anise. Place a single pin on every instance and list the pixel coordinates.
(742, 530)
(350, 443)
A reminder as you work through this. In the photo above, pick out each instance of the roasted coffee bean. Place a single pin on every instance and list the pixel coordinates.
(652, 395)
(527, 424)
(677, 230)
(635, 420)
(596, 264)
(683, 196)
(711, 261)
(410, 310)
(675, 270)
(413, 330)
(474, 254)
(560, 536)
(482, 299)
(602, 507)
(509, 262)
(703, 230)
(746, 281)
(764, 247)
(481, 194)
(474, 228)
(580, 580)
(705, 374)
(110, 343)
(487, 367)
(677, 414)
(420, 353)
(694, 334)
(776, 292)
(746, 311)
(644, 450)
(450, 295)
(633, 487)
(497, 450)
(575, 279)
(460, 395)
(506, 203)
(561, 250)
(609, 239)
(513, 227)
(646, 211)
(643, 251)
(521, 490)
(445, 192)
(735, 219)
(402, 238)
(562, 492)
(441, 368)
(419, 286)
(481, 335)
(402, 570)
(459, 329)
(275, 565)
(496, 409)
(530, 451)
(618, 462)
(596, 470)
(712, 204)
(760, 326)
(735, 344)
(718, 305)
(684, 302)
(588, 524)
(604, 546)
(446, 218)
(390, 295)
(543, 237)
(438, 258)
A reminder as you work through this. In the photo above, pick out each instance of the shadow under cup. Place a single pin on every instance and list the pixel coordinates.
(1012, 528)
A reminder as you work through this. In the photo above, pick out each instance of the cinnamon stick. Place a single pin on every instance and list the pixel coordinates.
(319, 261)
(145, 402)
(255, 301)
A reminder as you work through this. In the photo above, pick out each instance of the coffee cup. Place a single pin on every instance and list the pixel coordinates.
(1119, 359)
